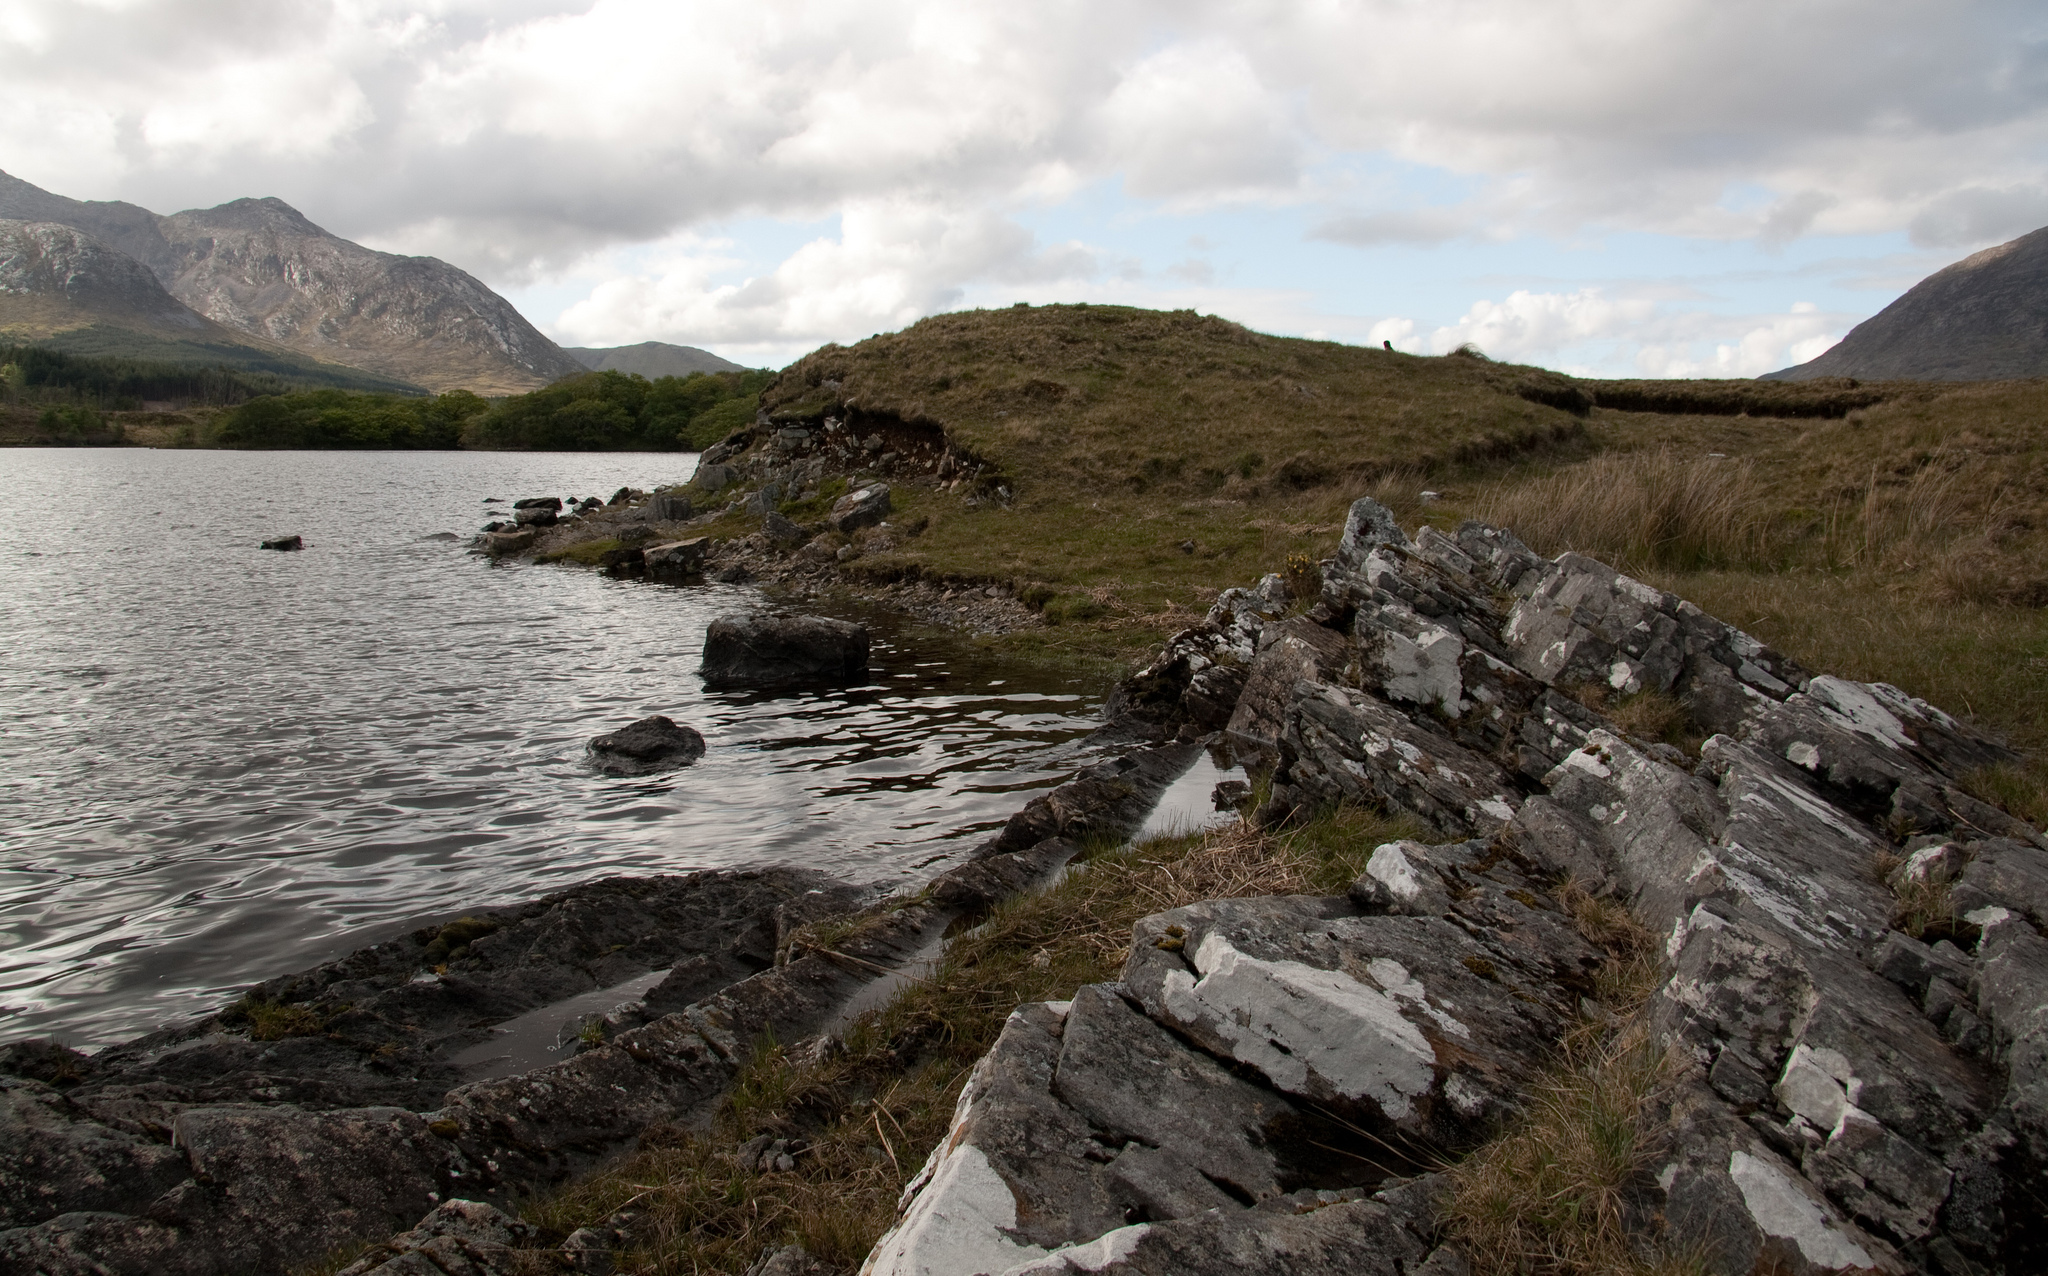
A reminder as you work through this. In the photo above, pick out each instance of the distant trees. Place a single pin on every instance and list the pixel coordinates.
(590, 412)
(618, 412)
(32, 374)
(339, 419)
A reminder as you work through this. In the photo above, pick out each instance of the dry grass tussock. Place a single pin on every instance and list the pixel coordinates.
(867, 1116)
(1552, 1195)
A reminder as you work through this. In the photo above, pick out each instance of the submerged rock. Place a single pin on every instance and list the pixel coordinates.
(285, 543)
(654, 743)
(760, 650)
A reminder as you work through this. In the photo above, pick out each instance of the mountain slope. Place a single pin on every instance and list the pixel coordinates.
(64, 290)
(1983, 319)
(54, 277)
(259, 267)
(651, 359)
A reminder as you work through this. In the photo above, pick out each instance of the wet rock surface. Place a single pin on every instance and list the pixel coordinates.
(761, 651)
(325, 1106)
(654, 743)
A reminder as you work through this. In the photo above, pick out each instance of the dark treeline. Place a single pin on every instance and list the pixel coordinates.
(33, 375)
(593, 412)
(612, 411)
(326, 419)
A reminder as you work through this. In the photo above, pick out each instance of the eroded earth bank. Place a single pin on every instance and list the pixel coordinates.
(1847, 1005)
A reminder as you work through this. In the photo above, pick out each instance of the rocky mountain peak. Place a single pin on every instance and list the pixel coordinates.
(261, 267)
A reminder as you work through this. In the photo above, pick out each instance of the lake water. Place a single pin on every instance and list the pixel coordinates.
(219, 763)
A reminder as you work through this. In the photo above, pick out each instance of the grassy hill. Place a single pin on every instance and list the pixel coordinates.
(1879, 530)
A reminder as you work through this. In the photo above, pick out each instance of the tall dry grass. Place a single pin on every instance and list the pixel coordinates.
(1660, 509)
(1641, 509)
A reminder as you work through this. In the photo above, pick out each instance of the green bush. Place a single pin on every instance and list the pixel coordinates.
(616, 412)
(340, 419)
(1072, 609)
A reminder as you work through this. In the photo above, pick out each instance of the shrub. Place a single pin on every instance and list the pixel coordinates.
(1071, 609)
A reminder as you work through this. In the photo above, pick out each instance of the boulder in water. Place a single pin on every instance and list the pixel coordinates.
(536, 516)
(654, 743)
(677, 559)
(538, 503)
(285, 543)
(496, 543)
(767, 650)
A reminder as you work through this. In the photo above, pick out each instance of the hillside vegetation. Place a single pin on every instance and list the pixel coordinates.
(616, 411)
(1879, 530)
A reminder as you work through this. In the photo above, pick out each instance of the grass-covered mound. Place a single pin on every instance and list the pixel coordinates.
(1894, 531)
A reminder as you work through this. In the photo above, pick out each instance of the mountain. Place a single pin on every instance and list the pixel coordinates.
(257, 266)
(1983, 319)
(54, 277)
(63, 289)
(651, 359)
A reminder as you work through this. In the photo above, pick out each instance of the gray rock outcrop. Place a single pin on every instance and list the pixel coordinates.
(1855, 1003)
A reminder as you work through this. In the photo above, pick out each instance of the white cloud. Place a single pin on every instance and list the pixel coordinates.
(1530, 326)
(893, 263)
(1587, 331)
(519, 138)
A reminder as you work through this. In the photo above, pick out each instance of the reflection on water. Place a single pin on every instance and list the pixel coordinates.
(220, 763)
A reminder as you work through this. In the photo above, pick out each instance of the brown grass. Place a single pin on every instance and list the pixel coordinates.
(1551, 1194)
(1638, 510)
(871, 1113)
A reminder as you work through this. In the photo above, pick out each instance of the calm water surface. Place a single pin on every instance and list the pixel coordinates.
(219, 763)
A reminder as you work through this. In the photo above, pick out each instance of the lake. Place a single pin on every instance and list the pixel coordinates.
(219, 763)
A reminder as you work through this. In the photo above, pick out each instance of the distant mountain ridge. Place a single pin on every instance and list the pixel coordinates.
(259, 267)
(1985, 318)
(651, 359)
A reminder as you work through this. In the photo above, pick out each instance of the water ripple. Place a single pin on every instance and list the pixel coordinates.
(220, 763)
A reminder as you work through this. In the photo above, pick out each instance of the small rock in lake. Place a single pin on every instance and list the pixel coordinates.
(538, 503)
(285, 543)
(652, 744)
(766, 650)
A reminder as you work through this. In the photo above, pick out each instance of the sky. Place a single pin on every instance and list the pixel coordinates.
(1650, 188)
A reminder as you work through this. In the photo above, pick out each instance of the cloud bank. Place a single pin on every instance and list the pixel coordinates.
(526, 141)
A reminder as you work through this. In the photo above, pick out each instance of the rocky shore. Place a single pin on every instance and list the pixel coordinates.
(726, 525)
(1850, 998)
